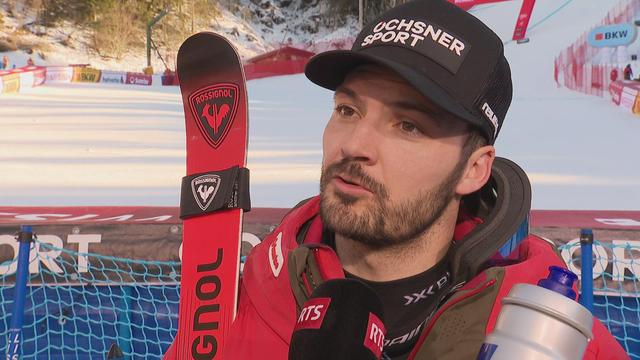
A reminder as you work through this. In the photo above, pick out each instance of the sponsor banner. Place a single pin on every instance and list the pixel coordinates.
(59, 74)
(628, 97)
(636, 105)
(39, 75)
(113, 77)
(615, 89)
(155, 234)
(11, 83)
(616, 267)
(26, 79)
(16, 216)
(85, 74)
(138, 79)
(36, 215)
(602, 219)
(612, 35)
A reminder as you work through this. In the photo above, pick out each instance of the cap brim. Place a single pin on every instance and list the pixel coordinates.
(329, 69)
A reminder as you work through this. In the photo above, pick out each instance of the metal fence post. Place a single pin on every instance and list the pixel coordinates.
(586, 261)
(25, 238)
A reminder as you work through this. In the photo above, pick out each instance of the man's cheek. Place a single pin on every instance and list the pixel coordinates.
(331, 144)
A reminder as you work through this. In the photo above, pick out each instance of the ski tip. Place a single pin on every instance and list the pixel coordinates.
(204, 50)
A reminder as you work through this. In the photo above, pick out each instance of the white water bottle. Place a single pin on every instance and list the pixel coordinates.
(541, 322)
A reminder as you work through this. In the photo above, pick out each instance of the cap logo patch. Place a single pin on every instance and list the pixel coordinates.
(488, 113)
(428, 39)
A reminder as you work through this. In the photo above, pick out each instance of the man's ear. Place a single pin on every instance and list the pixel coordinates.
(477, 171)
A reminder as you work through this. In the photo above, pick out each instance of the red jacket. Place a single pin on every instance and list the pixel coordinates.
(267, 306)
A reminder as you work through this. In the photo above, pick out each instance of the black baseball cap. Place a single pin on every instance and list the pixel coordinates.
(445, 53)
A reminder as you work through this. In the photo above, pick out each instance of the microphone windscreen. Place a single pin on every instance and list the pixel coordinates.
(343, 319)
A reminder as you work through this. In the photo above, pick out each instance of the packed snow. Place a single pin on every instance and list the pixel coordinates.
(97, 144)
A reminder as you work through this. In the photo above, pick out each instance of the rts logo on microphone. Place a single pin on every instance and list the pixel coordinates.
(374, 337)
(313, 313)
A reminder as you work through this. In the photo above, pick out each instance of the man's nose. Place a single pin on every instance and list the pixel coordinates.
(361, 142)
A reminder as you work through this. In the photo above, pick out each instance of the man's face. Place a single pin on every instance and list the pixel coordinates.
(391, 160)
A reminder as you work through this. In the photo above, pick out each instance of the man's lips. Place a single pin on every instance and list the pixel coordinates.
(347, 184)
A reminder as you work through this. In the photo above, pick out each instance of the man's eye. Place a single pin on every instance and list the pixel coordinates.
(410, 128)
(344, 110)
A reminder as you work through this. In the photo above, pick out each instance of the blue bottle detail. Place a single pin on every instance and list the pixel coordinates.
(561, 281)
(486, 351)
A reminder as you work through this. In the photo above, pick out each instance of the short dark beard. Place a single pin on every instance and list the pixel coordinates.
(383, 225)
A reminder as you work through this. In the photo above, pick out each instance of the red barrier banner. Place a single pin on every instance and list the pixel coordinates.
(615, 89)
(39, 75)
(30, 76)
(628, 98)
(155, 234)
(59, 74)
(139, 79)
(276, 68)
(520, 32)
(598, 219)
(115, 215)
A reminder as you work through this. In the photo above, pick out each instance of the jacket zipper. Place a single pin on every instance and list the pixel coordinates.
(431, 323)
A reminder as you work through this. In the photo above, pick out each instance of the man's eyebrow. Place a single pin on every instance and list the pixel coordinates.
(346, 91)
(430, 111)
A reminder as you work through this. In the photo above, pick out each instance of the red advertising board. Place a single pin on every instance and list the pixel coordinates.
(138, 79)
(39, 75)
(628, 97)
(615, 89)
(600, 219)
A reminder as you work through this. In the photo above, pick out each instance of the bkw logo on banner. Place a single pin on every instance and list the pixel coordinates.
(612, 35)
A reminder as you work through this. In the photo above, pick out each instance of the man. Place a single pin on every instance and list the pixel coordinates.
(407, 196)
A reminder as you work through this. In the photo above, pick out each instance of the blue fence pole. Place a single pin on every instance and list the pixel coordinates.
(25, 238)
(586, 259)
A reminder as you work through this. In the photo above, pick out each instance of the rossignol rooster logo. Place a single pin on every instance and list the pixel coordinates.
(204, 189)
(214, 108)
(215, 118)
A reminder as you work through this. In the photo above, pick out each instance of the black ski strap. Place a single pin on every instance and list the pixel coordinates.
(207, 192)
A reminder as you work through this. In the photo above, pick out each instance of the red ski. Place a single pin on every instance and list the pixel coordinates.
(215, 193)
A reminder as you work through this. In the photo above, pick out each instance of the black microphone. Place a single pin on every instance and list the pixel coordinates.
(342, 320)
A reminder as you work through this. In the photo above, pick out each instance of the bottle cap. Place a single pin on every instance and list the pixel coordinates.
(561, 281)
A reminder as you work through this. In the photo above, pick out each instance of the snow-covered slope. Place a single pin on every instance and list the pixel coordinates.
(254, 27)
